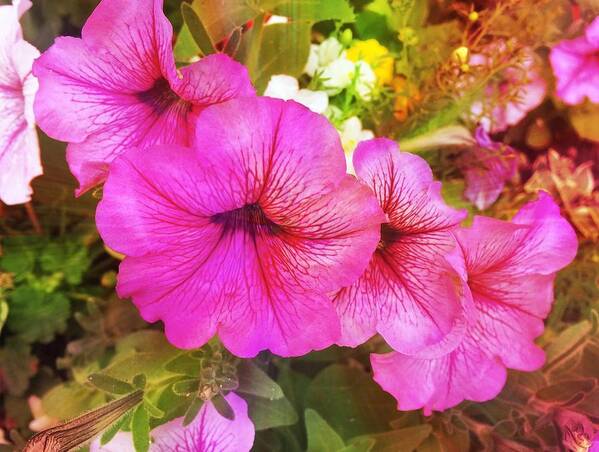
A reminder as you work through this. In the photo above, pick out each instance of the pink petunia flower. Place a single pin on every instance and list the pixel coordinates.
(576, 66)
(209, 431)
(487, 167)
(19, 147)
(510, 268)
(245, 234)
(117, 87)
(409, 293)
(523, 84)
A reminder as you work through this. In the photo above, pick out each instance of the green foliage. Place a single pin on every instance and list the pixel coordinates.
(348, 390)
(17, 365)
(37, 316)
(265, 50)
(321, 437)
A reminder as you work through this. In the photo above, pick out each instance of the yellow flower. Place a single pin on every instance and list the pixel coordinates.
(376, 55)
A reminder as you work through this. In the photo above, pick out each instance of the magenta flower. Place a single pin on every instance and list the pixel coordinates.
(118, 87)
(510, 267)
(576, 66)
(19, 148)
(530, 91)
(487, 167)
(245, 234)
(209, 431)
(409, 293)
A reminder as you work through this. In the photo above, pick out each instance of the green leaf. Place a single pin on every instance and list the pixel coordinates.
(69, 258)
(405, 439)
(197, 29)
(139, 381)
(110, 385)
(36, 315)
(321, 437)
(266, 413)
(140, 428)
(365, 406)
(186, 387)
(153, 410)
(70, 399)
(3, 313)
(184, 365)
(316, 10)
(276, 49)
(252, 380)
(359, 445)
(221, 17)
(192, 410)
(111, 431)
(19, 253)
(185, 46)
(568, 340)
(222, 406)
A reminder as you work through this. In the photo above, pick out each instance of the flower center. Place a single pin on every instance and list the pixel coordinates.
(161, 97)
(388, 236)
(249, 218)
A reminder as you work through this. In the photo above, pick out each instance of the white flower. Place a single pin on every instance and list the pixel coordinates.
(282, 87)
(287, 88)
(329, 50)
(276, 20)
(351, 135)
(365, 80)
(338, 75)
(312, 63)
(322, 55)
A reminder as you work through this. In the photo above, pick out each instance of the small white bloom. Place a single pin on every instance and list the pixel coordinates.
(277, 20)
(352, 134)
(329, 50)
(365, 80)
(282, 87)
(317, 101)
(312, 63)
(338, 75)
(287, 88)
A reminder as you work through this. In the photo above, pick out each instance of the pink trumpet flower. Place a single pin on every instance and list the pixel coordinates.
(576, 66)
(510, 267)
(245, 234)
(19, 147)
(117, 87)
(409, 293)
(209, 431)
(487, 167)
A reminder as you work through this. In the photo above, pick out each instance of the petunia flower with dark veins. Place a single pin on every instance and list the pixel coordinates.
(208, 432)
(409, 293)
(117, 87)
(510, 267)
(19, 147)
(245, 234)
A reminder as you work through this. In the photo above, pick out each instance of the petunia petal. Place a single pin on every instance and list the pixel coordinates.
(441, 383)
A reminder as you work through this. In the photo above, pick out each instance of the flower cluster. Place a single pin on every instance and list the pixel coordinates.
(341, 77)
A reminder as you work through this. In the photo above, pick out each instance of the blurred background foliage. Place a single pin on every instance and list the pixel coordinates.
(67, 339)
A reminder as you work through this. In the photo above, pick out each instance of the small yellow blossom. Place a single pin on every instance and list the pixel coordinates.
(376, 55)
(473, 16)
(461, 55)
